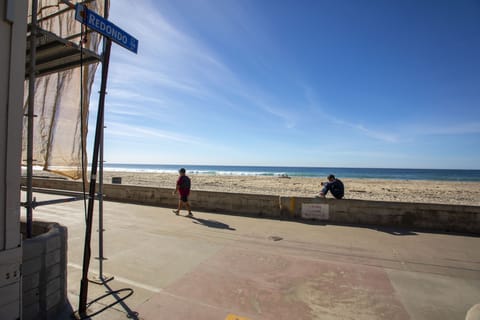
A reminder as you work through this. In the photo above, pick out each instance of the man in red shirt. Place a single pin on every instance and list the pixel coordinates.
(183, 189)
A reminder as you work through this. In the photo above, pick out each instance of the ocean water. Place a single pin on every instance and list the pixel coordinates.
(323, 172)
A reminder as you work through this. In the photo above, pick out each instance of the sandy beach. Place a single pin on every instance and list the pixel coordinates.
(446, 192)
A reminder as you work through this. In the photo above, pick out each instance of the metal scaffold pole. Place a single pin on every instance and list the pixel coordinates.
(30, 116)
(102, 279)
(101, 276)
(100, 208)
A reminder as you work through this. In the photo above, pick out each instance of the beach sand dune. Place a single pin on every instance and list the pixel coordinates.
(446, 192)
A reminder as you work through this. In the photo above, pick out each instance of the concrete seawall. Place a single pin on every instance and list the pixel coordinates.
(438, 217)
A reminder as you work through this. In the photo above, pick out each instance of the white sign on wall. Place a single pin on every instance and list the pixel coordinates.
(319, 211)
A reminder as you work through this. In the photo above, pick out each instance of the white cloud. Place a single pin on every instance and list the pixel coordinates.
(126, 95)
(448, 129)
(378, 135)
(122, 130)
(176, 66)
(310, 96)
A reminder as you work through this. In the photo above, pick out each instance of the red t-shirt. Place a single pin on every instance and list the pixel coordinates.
(183, 184)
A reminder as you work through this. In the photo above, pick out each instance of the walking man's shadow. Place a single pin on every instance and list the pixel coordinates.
(212, 223)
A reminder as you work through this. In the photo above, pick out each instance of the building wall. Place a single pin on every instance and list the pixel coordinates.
(13, 29)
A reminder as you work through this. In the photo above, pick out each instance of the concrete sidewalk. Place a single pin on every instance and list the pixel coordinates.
(231, 267)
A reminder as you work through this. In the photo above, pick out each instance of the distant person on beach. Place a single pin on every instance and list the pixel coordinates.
(183, 189)
(335, 186)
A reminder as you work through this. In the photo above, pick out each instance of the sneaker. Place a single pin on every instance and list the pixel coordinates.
(190, 214)
(175, 211)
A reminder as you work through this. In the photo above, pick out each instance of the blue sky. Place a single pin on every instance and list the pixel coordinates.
(343, 83)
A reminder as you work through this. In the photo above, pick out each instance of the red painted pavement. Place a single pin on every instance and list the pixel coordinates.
(256, 285)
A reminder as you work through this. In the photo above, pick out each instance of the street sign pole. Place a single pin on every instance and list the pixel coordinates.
(82, 308)
(119, 36)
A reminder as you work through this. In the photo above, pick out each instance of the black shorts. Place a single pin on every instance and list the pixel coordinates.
(184, 198)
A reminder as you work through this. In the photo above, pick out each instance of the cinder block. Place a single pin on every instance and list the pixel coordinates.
(44, 283)
(52, 258)
(31, 312)
(53, 272)
(31, 266)
(53, 286)
(30, 297)
(53, 243)
(31, 281)
(61, 231)
(53, 299)
(32, 248)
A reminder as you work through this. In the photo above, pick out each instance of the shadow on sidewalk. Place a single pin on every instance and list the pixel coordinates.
(117, 295)
(396, 231)
(98, 306)
(212, 223)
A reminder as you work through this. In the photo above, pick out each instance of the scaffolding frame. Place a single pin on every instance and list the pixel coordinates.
(47, 54)
(54, 54)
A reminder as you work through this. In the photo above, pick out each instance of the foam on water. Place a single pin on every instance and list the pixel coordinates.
(370, 173)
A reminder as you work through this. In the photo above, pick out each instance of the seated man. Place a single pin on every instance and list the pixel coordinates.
(335, 186)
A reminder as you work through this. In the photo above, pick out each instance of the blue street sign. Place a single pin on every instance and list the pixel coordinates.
(105, 27)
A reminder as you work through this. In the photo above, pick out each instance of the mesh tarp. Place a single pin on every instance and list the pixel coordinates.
(57, 136)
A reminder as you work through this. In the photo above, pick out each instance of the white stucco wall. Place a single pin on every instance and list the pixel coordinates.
(13, 28)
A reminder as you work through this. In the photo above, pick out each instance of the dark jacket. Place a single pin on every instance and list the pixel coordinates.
(335, 187)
